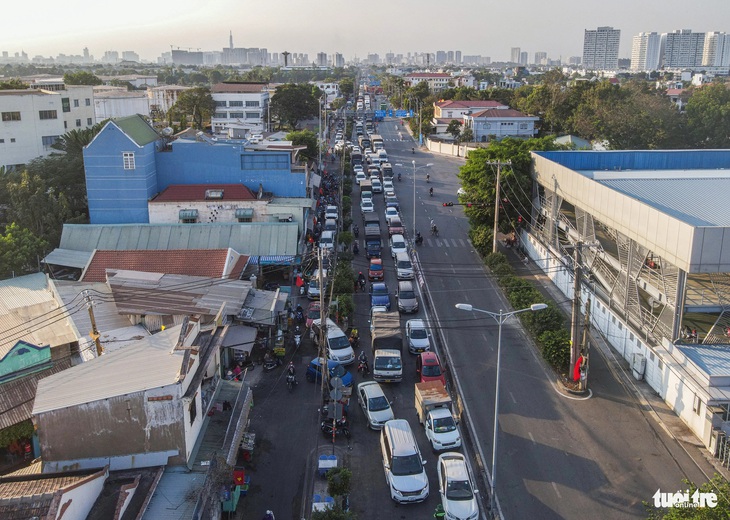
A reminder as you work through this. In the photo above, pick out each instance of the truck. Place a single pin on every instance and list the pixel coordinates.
(434, 408)
(373, 243)
(387, 345)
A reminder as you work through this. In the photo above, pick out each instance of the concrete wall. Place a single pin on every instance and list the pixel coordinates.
(461, 150)
(76, 503)
(208, 211)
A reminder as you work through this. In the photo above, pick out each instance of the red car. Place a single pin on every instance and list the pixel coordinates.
(313, 313)
(375, 271)
(429, 368)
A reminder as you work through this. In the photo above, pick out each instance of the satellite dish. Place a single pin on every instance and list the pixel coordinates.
(167, 131)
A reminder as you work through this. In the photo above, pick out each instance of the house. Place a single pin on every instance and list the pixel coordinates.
(242, 105)
(140, 406)
(500, 123)
(181, 203)
(446, 111)
(128, 163)
(437, 81)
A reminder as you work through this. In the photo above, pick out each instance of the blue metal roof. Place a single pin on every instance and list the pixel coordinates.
(713, 360)
(641, 159)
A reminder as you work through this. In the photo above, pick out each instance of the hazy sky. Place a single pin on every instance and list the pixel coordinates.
(488, 28)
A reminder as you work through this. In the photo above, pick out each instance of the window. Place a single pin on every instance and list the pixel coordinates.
(523, 126)
(235, 103)
(128, 158)
(252, 115)
(48, 140)
(88, 102)
(696, 404)
(78, 122)
(252, 103)
(48, 114)
(220, 104)
(11, 116)
(76, 103)
(89, 121)
(220, 115)
(236, 115)
(193, 409)
(2, 141)
(65, 125)
(12, 139)
(65, 105)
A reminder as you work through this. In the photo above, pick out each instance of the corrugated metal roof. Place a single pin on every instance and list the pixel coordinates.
(23, 291)
(147, 363)
(176, 496)
(713, 360)
(255, 238)
(68, 258)
(697, 197)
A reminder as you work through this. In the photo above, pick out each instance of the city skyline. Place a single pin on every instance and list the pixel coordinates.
(385, 27)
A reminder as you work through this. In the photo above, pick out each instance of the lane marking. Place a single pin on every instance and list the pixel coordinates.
(513, 398)
(532, 438)
(555, 487)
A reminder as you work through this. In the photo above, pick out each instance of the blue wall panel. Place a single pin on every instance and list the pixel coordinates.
(642, 159)
(203, 163)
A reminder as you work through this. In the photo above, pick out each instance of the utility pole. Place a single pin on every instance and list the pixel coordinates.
(499, 165)
(575, 326)
(94, 332)
(585, 346)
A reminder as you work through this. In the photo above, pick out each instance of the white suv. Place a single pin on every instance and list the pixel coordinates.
(403, 463)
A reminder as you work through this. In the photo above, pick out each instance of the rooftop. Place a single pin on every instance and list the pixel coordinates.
(469, 104)
(200, 192)
(428, 75)
(237, 87)
(500, 113)
(137, 129)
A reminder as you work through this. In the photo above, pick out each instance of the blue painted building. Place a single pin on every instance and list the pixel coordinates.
(128, 163)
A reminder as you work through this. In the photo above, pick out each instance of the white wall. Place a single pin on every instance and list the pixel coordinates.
(106, 107)
(80, 499)
(208, 211)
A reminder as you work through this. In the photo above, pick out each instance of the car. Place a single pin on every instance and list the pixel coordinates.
(331, 212)
(374, 404)
(339, 348)
(429, 368)
(391, 212)
(397, 245)
(379, 295)
(359, 177)
(406, 296)
(457, 492)
(388, 185)
(395, 226)
(358, 168)
(314, 371)
(403, 463)
(417, 336)
(375, 270)
(330, 225)
(313, 313)
(377, 186)
(366, 206)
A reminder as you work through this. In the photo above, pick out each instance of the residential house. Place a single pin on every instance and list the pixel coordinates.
(241, 106)
(446, 111)
(500, 123)
(437, 81)
(206, 203)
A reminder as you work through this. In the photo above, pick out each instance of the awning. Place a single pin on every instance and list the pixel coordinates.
(240, 337)
(237, 424)
(274, 260)
(188, 214)
(68, 258)
(244, 213)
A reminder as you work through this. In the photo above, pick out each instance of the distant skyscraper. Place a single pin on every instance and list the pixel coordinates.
(321, 59)
(717, 50)
(450, 57)
(130, 56)
(683, 49)
(600, 48)
(541, 58)
(574, 60)
(457, 57)
(523, 58)
(230, 40)
(339, 60)
(110, 57)
(440, 57)
(646, 52)
(515, 55)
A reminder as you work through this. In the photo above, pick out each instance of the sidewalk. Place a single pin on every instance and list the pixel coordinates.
(651, 404)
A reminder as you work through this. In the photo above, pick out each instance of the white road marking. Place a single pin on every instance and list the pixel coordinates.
(531, 437)
(555, 487)
(513, 398)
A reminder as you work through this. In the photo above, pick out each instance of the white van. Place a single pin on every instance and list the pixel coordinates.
(338, 344)
(327, 240)
(403, 463)
(313, 287)
(403, 266)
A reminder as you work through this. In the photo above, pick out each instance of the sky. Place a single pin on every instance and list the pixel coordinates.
(484, 27)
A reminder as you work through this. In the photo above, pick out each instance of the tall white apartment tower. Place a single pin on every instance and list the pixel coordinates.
(646, 51)
(716, 52)
(600, 48)
(515, 55)
(683, 49)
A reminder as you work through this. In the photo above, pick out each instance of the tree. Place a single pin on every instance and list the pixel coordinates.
(292, 103)
(347, 87)
(81, 77)
(74, 141)
(708, 116)
(13, 84)
(19, 251)
(196, 103)
(454, 128)
(467, 135)
(305, 138)
(717, 484)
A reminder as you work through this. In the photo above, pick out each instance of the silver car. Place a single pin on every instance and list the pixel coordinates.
(374, 404)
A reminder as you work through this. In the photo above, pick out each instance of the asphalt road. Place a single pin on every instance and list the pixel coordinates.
(558, 457)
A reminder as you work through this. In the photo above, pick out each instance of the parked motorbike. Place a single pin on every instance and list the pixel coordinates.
(271, 362)
(340, 428)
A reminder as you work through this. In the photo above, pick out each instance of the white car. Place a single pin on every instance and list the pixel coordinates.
(366, 206)
(397, 245)
(331, 212)
(441, 430)
(390, 213)
(374, 404)
(455, 487)
(377, 186)
(417, 336)
(388, 185)
(359, 177)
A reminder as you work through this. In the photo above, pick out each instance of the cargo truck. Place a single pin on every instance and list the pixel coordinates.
(387, 340)
(433, 405)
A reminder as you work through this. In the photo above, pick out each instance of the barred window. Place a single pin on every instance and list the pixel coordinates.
(11, 116)
(48, 114)
(128, 158)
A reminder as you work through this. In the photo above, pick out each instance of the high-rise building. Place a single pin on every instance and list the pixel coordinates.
(646, 51)
(541, 58)
(717, 50)
(339, 60)
(130, 56)
(450, 56)
(683, 49)
(440, 57)
(110, 57)
(523, 58)
(321, 59)
(457, 57)
(515, 55)
(600, 48)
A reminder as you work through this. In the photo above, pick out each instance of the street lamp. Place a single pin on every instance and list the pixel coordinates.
(500, 317)
(413, 162)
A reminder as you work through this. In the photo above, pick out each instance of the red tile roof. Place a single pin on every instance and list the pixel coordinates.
(499, 113)
(238, 88)
(428, 75)
(196, 192)
(469, 104)
(192, 262)
(674, 91)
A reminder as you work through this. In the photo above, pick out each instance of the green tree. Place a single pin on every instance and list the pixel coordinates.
(454, 128)
(20, 250)
(13, 84)
(81, 77)
(708, 116)
(74, 141)
(347, 87)
(292, 103)
(467, 135)
(196, 103)
(305, 138)
(717, 484)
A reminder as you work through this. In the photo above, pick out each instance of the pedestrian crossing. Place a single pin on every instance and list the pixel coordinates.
(447, 242)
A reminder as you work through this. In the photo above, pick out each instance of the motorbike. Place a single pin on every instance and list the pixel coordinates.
(419, 239)
(362, 365)
(434, 230)
(271, 362)
(430, 192)
(299, 315)
(291, 381)
(356, 231)
(355, 248)
(428, 177)
(399, 176)
(413, 150)
(340, 428)
(297, 336)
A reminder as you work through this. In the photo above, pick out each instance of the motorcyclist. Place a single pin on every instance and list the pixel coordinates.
(428, 177)
(430, 191)
(361, 280)
(290, 369)
(419, 238)
(355, 248)
(363, 360)
(398, 175)
(413, 150)
(355, 230)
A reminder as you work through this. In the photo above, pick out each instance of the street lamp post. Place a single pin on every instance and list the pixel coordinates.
(500, 317)
(413, 162)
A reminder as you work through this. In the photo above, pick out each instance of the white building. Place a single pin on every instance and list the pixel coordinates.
(136, 80)
(683, 49)
(499, 123)
(716, 52)
(162, 98)
(646, 51)
(240, 105)
(600, 48)
(120, 103)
